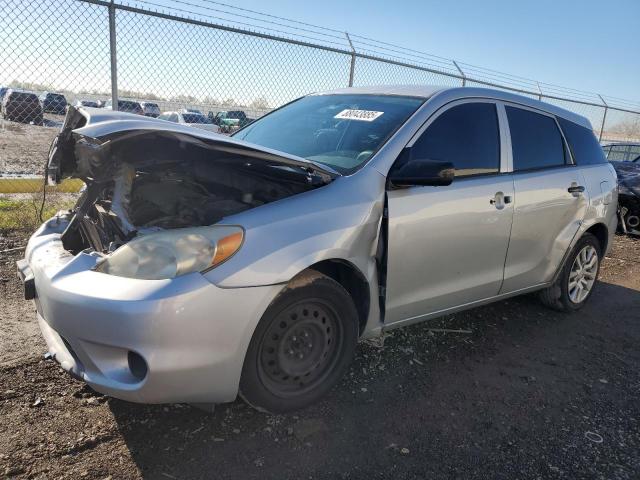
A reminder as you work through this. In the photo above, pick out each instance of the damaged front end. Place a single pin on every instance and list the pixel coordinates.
(628, 196)
(144, 175)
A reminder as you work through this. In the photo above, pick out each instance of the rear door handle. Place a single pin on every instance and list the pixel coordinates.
(575, 190)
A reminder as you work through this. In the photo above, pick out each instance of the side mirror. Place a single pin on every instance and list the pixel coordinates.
(423, 172)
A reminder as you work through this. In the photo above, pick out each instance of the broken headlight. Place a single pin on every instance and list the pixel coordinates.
(172, 253)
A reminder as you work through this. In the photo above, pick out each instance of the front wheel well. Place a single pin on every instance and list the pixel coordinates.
(353, 281)
(600, 231)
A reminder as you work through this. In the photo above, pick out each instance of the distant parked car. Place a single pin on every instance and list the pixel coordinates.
(20, 106)
(231, 120)
(87, 103)
(150, 109)
(53, 103)
(622, 151)
(3, 90)
(126, 106)
(192, 110)
(191, 119)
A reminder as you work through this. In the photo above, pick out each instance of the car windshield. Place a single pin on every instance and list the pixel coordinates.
(23, 97)
(195, 118)
(128, 106)
(340, 131)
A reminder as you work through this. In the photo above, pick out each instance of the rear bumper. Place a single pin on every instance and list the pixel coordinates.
(149, 341)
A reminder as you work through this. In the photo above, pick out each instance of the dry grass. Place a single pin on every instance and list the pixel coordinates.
(22, 213)
(34, 185)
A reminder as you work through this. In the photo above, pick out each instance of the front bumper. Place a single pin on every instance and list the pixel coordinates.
(186, 336)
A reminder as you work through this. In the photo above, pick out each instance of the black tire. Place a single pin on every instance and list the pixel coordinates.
(557, 295)
(302, 346)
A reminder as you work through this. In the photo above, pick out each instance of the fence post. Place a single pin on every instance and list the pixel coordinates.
(539, 90)
(464, 77)
(353, 59)
(113, 56)
(604, 117)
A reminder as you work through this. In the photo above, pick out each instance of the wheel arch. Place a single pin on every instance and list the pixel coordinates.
(598, 230)
(601, 232)
(353, 281)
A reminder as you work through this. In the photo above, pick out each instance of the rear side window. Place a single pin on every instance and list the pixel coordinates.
(466, 135)
(535, 140)
(584, 147)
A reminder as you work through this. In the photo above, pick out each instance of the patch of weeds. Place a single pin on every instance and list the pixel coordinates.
(22, 214)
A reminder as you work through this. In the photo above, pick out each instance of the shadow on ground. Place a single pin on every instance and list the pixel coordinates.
(530, 393)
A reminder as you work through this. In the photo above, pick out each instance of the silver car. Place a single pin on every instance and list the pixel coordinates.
(196, 267)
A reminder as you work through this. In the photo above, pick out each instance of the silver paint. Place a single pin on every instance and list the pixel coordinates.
(449, 248)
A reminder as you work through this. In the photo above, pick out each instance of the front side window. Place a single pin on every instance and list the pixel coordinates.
(618, 153)
(466, 135)
(340, 131)
(634, 153)
(535, 140)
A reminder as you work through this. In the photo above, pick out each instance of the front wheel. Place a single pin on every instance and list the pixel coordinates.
(302, 346)
(575, 283)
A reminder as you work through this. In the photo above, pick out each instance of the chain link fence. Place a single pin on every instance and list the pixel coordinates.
(225, 64)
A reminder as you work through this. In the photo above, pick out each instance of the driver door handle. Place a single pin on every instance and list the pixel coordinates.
(575, 190)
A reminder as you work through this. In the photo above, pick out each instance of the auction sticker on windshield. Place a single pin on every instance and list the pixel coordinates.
(362, 115)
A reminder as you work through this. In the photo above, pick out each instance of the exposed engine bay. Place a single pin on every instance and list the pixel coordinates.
(628, 196)
(148, 180)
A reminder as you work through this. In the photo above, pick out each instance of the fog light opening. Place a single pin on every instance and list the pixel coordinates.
(137, 365)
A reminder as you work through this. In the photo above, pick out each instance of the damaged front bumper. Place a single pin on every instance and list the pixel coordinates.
(151, 341)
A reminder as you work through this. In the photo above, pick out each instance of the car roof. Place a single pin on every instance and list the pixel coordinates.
(429, 91)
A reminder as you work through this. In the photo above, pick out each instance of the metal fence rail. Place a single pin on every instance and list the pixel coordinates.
(212, 57)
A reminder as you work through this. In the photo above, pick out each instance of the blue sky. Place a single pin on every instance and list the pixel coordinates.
(589, 45)
(64, 43)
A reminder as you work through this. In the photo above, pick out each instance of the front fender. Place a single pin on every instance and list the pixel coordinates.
(338, 221)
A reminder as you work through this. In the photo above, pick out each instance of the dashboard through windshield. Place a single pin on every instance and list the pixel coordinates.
(340, 131)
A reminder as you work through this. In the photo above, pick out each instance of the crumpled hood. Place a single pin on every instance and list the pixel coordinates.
(628, 175)
(82, 147)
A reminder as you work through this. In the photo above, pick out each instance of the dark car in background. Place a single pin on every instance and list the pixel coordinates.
(622, 151)
(3, 90)
(53, 103)
(625, 158)
(88, 103)
(231, 120)
(19, 106)
(126, 106)
(150, 109)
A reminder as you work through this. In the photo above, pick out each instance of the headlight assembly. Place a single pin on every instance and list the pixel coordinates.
(172, 253)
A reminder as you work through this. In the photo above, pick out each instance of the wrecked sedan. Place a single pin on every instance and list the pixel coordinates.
(628, 195)
(196, 267)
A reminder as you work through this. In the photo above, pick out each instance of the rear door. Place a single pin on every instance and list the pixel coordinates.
(447, 244)
(550, 198)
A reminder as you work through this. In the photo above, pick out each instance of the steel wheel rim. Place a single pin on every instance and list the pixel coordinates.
(583, 274)
(299, 348)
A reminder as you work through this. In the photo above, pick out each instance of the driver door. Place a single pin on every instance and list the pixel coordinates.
(447, 244)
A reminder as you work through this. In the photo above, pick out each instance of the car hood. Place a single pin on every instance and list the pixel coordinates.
(628, 175)
(82, 147)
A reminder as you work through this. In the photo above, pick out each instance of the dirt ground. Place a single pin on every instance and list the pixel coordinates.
(24, 147)
(529, 393)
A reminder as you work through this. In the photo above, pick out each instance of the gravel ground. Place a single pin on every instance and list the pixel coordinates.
(528, 393)
(24, 147)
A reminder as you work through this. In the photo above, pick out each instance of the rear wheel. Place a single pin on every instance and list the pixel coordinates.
(302, 345)
(578, 277)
